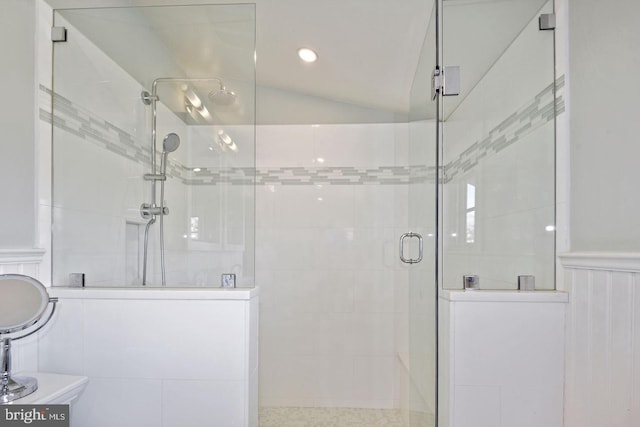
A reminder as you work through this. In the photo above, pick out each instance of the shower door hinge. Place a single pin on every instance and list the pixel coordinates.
(445, 81)
(58, 34)
(547, 21)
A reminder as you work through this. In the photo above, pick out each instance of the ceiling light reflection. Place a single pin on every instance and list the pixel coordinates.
(191, 96)
(307, 55)
(225, 141)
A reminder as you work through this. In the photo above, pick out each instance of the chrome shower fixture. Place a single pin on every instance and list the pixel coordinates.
(147, 98)
(149, 211)
(220, 96)
(170, 143)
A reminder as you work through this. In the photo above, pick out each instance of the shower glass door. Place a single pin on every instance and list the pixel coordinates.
(192, 203)
(421, 360)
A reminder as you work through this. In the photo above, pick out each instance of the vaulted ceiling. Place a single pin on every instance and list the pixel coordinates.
(368, 49)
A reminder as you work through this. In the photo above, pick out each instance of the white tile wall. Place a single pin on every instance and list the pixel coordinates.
(503, 359)
(206, 403)
(119, 401)
(162, 362)
(603, 339)
(327, 267)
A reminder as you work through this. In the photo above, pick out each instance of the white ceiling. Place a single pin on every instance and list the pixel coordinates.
(368, 49)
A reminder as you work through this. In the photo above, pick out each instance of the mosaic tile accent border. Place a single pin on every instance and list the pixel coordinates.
(339, 175)
(348, 175)
(542, 109)
(86, 125)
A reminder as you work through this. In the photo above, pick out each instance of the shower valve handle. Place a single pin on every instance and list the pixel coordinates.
(147, 211)
(155, 177)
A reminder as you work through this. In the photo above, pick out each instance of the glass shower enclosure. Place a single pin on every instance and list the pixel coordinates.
(481, 196)
(498, 145)
(154, 146)
(154, 168)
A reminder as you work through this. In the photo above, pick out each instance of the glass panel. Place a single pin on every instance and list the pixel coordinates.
(421, 218)
(498, 145)
(197, 65)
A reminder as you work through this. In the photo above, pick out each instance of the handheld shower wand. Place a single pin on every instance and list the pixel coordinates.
(170, 143)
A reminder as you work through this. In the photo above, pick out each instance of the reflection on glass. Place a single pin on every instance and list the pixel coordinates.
(471, 213)
(471, 226)
(194, 227)
(471, 196)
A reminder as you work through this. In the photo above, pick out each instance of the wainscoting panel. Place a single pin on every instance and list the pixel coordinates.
(24, 353)
(21, 261)
(603, 340)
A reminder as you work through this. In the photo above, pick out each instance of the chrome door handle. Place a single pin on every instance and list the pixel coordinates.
(420, 247)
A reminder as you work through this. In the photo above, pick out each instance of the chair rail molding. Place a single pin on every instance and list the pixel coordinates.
(608, 261)
(21, 261)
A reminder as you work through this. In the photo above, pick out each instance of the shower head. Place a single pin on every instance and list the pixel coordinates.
(170, 143)
(222, 96)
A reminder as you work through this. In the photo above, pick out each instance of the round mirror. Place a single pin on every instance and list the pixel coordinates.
(24, 301)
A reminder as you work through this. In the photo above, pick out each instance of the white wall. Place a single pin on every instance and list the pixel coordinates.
(161, 357)
(601, 270)
(327, 263)
(603, 38)
(17, 120)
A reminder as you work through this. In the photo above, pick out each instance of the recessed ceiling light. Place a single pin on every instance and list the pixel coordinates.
(307, 55)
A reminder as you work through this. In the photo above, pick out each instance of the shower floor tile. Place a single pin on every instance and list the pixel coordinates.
(330, 417)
